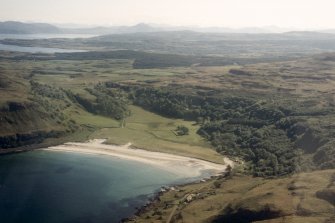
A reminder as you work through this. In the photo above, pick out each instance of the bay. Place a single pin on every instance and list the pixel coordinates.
(44, 186)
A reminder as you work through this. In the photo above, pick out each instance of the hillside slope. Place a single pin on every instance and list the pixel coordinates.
(305, 197)
(27, 116)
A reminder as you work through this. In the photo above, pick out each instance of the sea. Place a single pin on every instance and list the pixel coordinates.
(63, 187)
(15, 48)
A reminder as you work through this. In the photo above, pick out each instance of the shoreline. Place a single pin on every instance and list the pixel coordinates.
(181, 166)
(193, 169)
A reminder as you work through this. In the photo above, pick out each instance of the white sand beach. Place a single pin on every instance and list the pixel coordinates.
(179, 165)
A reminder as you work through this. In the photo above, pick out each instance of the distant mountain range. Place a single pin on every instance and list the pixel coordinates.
(13, 27)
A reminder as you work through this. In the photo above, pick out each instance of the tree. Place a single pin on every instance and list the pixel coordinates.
(182, 130)
(229, 170)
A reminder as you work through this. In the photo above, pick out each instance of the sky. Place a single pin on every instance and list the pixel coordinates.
(304, 14)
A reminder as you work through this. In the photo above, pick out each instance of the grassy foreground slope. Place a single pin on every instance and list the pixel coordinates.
(305, 197)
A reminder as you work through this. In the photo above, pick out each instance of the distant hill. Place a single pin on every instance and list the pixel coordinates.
(14, 27)
(309, 35)
(146, 28)
(103, 30)
(328, 31)
(11, 27)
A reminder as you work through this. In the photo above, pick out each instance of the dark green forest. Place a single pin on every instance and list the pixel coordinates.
(272, 139)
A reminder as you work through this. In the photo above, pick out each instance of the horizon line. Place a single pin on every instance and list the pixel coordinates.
(152, 24)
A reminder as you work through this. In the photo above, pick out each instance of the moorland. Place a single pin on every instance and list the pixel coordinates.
(265, 101)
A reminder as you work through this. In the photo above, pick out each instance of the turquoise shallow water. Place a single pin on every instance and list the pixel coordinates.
(45, 186)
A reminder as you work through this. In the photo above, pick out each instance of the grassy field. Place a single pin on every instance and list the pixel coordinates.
(148, 131)
(152, 132)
